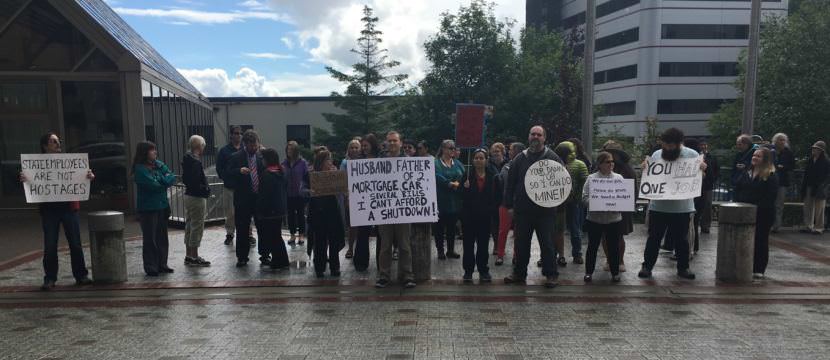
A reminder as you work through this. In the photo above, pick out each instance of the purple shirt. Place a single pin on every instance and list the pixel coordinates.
(297, 177)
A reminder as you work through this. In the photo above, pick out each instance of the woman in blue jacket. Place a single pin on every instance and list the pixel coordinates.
(152, 178)
(449, 173)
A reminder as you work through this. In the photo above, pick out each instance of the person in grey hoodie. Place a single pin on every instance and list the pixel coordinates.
(602, 223)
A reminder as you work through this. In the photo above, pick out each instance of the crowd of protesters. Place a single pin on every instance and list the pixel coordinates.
(486, 198)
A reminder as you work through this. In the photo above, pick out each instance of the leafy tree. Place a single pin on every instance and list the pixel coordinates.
(369, 82)
(793, 94)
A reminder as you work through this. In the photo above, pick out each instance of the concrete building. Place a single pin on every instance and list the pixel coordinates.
(276, 119)
(76, 68)
(674, 60)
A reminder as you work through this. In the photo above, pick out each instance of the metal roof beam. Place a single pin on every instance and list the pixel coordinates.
(14, 17)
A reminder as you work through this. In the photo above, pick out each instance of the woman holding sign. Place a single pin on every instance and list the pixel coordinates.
(759, 186)
(602, 224)
(326, 224)
(449, 174)
(152, 178)
(479, 204)
(52, 215)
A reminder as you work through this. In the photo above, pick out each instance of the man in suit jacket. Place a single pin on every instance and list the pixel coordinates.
(244, 171)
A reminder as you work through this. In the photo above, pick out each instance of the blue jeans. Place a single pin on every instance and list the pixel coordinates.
(575, 217)
(51, 221)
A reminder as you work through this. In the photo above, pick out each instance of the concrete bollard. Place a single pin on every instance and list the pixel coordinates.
(106, 237)
(736, 242)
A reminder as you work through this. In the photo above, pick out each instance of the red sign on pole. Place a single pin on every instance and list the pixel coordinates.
(470, 125)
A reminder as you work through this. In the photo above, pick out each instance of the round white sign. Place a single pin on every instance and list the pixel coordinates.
(548, 183)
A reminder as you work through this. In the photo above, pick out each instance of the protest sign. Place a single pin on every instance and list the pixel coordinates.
(469, 125)
(548, 183)
(328, 183)
(392, 191)
(55, 177)
(611, 195)
(672, 180)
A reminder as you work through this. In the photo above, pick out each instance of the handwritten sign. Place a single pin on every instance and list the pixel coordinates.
(548, 183)
(392, 191)
(611, 195)
(328, 183)
(672, 180)
(55, 177)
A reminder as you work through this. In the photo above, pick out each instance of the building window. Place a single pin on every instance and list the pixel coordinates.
(620, 108)
(707, 32)
(690, 106)
(616, 74)
(620, 38)
(698, 69)
(614, 6)
(299, 133)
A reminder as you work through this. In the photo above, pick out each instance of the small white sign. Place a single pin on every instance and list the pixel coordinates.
(548, 183)
(611, 195)
(392, 191)
(55, 177)
(672, 180)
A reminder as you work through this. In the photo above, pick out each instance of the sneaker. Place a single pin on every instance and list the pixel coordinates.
(382, 283)
(395, 255)
(578, 260)
(644, 273)
(587, 278)
(468, 277)
(562, 261)
(686, 274)
(499, 261)
(228, 239)
(409, 284)
(551, 282)
(48, 285)
(83, 281)
(758, 276)
(616, 278)
(166, 270)
(485, 277)
(242, 263)
(514, 279)
(200, 261)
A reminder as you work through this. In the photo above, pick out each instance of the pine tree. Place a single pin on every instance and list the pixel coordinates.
(367, 84)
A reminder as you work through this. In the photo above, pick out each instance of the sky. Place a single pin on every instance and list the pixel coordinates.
(281, 47)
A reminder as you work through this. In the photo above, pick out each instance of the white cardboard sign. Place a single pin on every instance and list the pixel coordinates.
(672, 180)
(55, 177)
(392, 191)
(548, 183)
(611, 195)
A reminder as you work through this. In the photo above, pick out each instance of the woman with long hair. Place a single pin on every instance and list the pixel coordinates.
(325, 223)
(449, 173)
(759, 186)
(296, 170)
(195, 200)
(152, 178)
(479, 204)
(353, 152)
(272, 204)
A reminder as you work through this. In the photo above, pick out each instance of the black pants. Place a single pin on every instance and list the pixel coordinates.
(596, 232)
(763, 224)
(675, 228)
(361, 248)
(271, 237)
(543, 225)
(296, 215)
(51, 222)
(444, 232)
(325, 251)
(243, 211)
(476, 244)
(155, 244)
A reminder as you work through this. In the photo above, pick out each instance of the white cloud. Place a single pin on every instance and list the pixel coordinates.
(269, 56)
(327, 29)
(204, 17)
(255, 5)
(180, 23)
(246, 82)
(287, 41)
